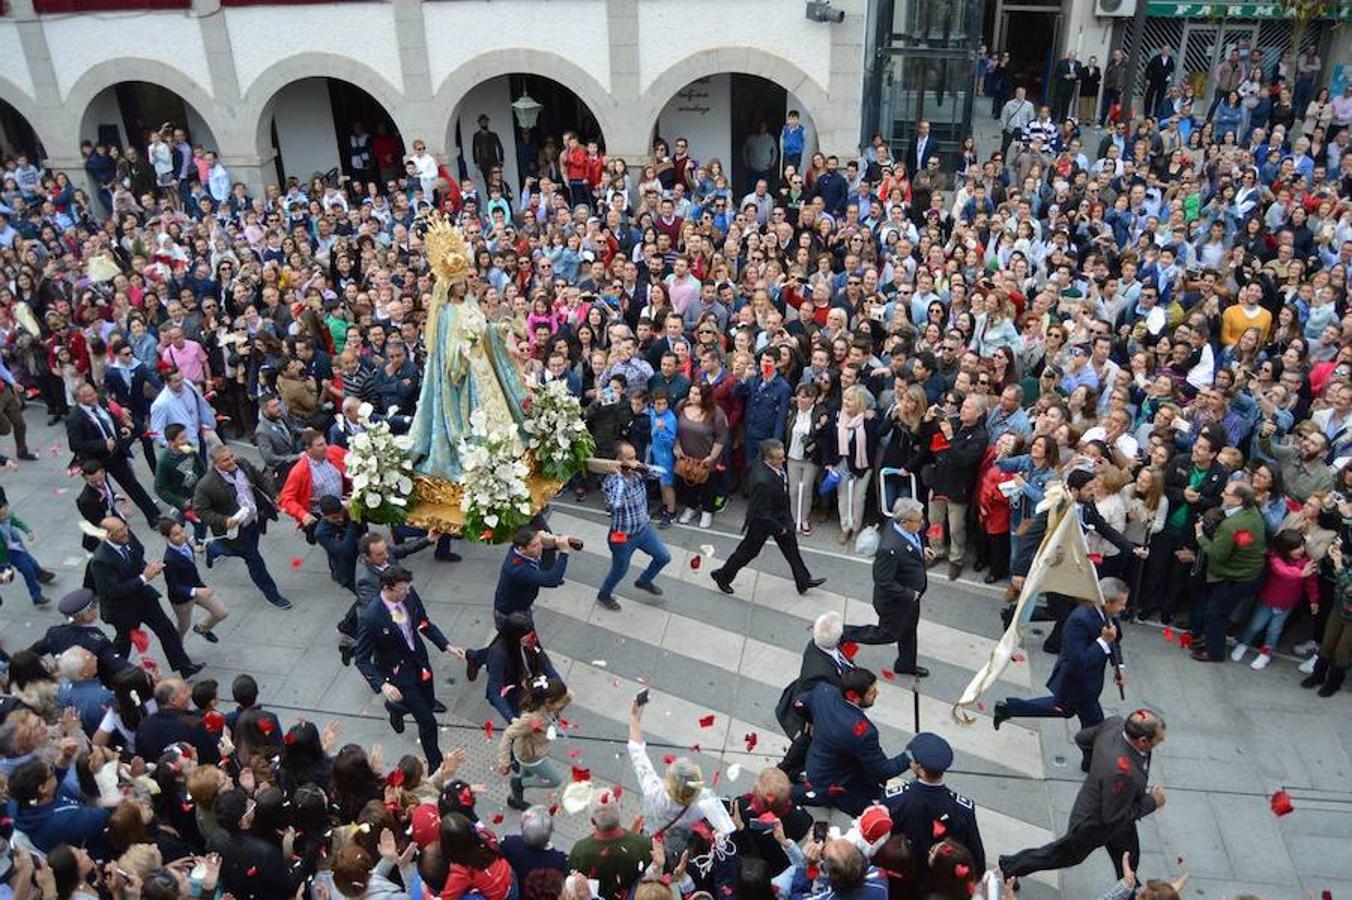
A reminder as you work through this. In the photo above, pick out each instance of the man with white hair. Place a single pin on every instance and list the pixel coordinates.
(823, 661)
(530, 850)
(80, 687)
(899, 581)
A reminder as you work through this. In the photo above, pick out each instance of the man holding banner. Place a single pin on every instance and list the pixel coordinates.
(1093, 638)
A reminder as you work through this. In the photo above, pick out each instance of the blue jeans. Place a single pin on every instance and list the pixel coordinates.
(1264, 616)
(28, 567)
(245, 546)
(644, 539)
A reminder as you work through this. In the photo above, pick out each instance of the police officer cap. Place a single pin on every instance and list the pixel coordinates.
(76, 602)
(932, 752)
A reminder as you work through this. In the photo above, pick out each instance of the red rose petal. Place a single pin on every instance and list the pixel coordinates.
(553, 808)
(860, 728)
(714, 782)
(251, 871)
(1123, 765)
(395, 778)
(297, 562)
(497, 818)
(939, 829)
(581, 774)
(426, 674)
(848, 649)
(213, 722)
(888, 674)
(668, 758)
(695, 562)
(1168, 635)
(935, 532)
(962, 871)
(1243, 538)
(488, 729)
(694, 748)
(1281, 803)
(1018, 657)
(140, 640)
(267, 725)
(618, 792)
(706, 721)
(751, 739)
(466, 796)
(1185, 640)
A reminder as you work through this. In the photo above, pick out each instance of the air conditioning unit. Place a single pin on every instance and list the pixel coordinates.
(1115, 8)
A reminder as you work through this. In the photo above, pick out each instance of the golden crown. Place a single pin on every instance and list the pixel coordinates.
(447, 251)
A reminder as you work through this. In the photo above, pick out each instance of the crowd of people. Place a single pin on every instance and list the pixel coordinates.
(911, 345)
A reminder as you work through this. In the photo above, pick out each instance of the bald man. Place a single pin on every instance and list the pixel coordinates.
(122, 579)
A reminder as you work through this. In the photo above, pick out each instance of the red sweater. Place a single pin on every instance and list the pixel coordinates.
(494, 883)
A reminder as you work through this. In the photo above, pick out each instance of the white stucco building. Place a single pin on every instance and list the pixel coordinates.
(267, 81)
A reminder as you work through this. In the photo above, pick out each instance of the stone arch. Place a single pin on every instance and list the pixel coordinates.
(718, 60)
(494, 63)
(23, 104)
(258, 102)
(109, 73)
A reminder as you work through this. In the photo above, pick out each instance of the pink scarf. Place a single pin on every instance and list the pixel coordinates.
(843, 428)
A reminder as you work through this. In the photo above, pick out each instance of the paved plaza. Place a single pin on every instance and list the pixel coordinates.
(1234, 737)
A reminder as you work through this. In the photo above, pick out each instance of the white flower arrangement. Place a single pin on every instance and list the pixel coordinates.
(496, 498)
(381, 473)
(557, 434)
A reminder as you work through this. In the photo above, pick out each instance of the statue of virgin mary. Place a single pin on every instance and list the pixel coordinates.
(468, 366)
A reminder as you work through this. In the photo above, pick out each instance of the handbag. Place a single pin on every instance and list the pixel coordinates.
(691, 470)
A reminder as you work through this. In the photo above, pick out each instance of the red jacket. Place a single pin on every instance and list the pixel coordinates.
(992, 506)
(575, 164)
(296, 493)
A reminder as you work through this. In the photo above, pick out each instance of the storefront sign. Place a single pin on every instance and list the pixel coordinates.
(1217, 10)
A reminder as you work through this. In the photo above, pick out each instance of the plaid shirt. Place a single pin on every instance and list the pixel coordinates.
(627, 494)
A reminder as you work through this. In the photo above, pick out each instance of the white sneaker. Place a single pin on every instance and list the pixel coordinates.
(1238, 653)
(1260, 662)
(706, 519)
(1307, 648)
(686, 516)
(1307, 667)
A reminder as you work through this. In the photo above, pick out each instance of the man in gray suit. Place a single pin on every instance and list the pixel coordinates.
(276, 438)
(1112, 798)
(899, 581)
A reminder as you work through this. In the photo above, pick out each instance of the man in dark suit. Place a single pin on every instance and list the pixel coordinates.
(236, 500)
(172, 723)
(1067, 78)
(1092, 640)
(768, 516)
(1193, 484)
(899, 581)
(846, 766)
(122, 580)
(374, 556)
(823, 662)
(92, 433)
(1059, 606)
(921, 150)
(1158, 73)
(81, 609)
(926, 810)
(98, 500)
(393, 658)
(528, 567)
(133, 385)
(1112, 798)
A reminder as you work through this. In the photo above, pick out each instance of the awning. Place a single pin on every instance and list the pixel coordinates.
(1220, 10)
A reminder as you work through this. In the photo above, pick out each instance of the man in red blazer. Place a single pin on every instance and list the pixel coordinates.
(320, 472)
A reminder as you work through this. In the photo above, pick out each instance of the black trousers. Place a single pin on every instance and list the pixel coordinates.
(127, 616)
(897, 621)
(1060, 606)
(119, 467)
(417, 703)
(750, 547)
(1073, 848)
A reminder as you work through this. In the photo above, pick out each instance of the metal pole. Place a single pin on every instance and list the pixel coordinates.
(915, 703)
(1133, 61)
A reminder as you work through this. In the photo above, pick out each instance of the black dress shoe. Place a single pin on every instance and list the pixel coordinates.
(471, 666)
(724, 586)
(448, 556)
(811, 583)
(46, 576)
(438, 706)
(649, 587)
(191, 669)
(26, 456)
(979, 565)
(608, 602)
(917, 672)
(206, 635)
(345, 654)
(396, 719)
(1001, 713)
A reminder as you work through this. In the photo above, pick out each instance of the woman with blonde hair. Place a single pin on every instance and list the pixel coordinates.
(850, 450)
(675, 801)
